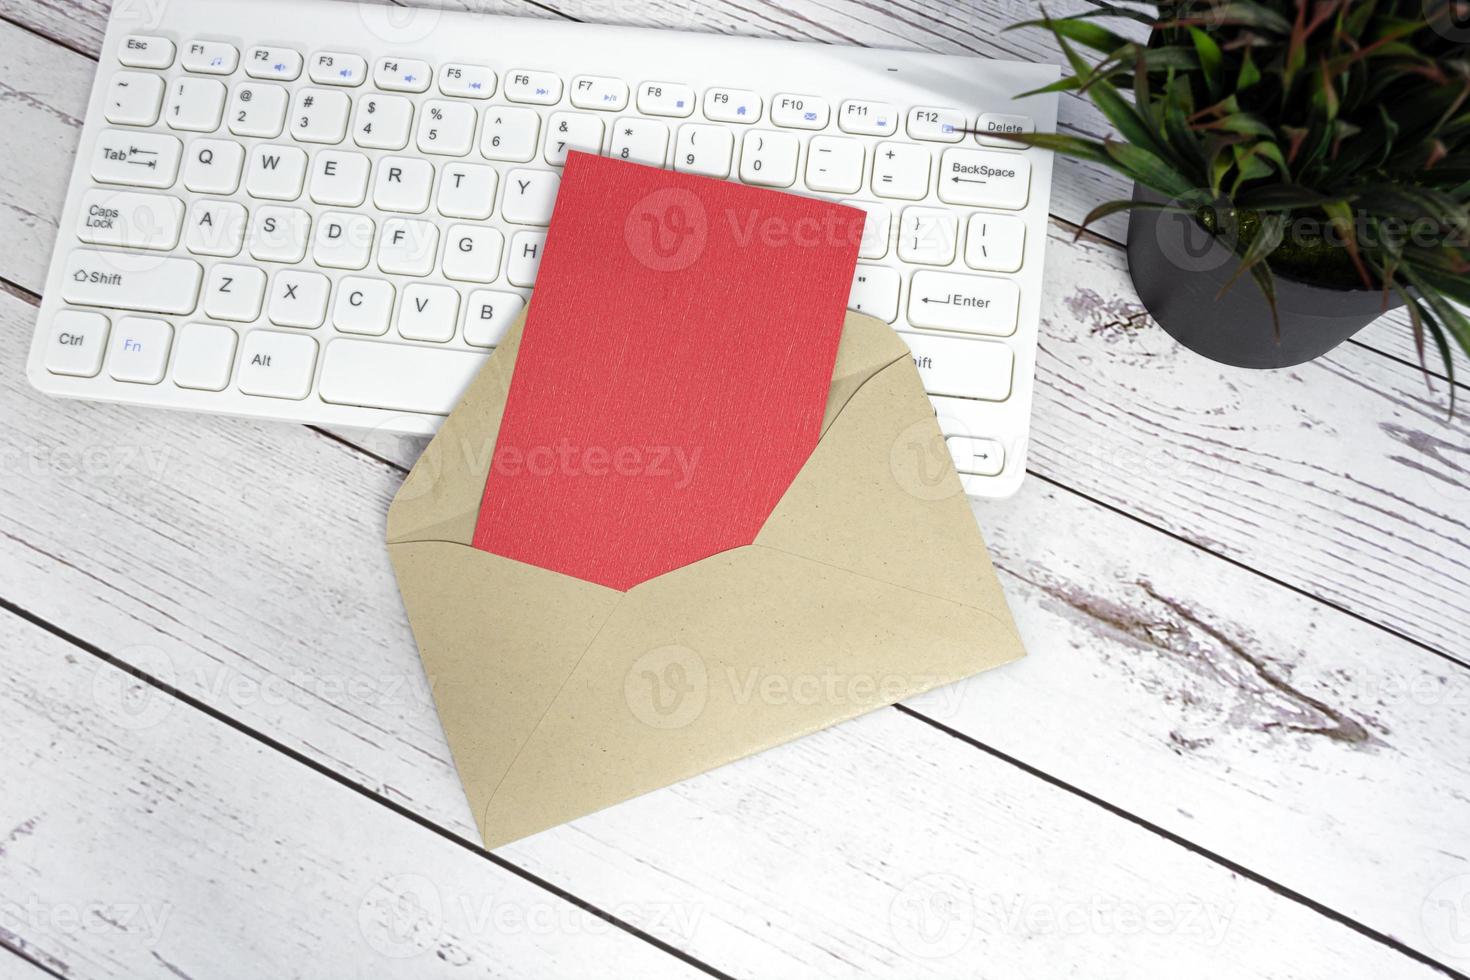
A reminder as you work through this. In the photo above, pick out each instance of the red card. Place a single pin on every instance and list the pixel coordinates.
(673, 371)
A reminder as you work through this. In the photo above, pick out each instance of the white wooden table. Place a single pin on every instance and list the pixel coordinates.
(1240, 746)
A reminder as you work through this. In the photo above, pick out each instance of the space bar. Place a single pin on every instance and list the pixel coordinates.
(396, 376)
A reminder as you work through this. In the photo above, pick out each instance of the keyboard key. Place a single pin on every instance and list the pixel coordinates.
(210, 57)
(467, 190)
(276, 365)
(134, 99)
(525, 257)
(639, 140)
(446, 128)
(995, 242)
(665, 99)
(985, 179)
(139, 350)
(138, 159)
(800, 111)
(467, 81)
(428, 312)
(277, 173)
(768, 159)
(488, 314)
(399, 377)
(258, 110)
(279, 234)
(343, 240)
(363, 306)
(402, 75)
(298, 299)
(927, 235)
(980, 457)
(510, 134)
(382, 122)
(736, 105)
(876, 229)
(535, 87)
(76, 343)
(901, 170)
(281, 64)
(195, 104)
(991, 123)
(144, 51)
(941, 125)
(704, 150)
(216, 228)
(408, 248)
(339, 178)
(335, 68)
(568, 131)
(868, 118)
(529, 196)
(235, 292)
(320, 116)
(835, 164)
(875, 292)
(128, 281)
(962, 368)
(214, 166)
(973, 304)
(130, 220)
(599, 92)
(472, 253)
(204, 356)
(403, 184)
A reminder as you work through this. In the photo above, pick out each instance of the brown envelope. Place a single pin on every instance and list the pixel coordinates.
(867, 585)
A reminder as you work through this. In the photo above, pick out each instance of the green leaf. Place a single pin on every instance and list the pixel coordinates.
(1149, 170)
(1268, 238)
(1081, 30)
(1341, 215)
(1249, 73)
(1210, 58)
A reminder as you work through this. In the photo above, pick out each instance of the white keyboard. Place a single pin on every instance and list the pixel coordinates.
(328, 212)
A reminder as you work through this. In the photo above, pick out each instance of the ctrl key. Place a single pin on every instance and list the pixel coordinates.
(77, 343)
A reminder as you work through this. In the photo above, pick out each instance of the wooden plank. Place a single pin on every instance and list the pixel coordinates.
(1341, 477)
(149, 840)
(204, 822)
(264, 591)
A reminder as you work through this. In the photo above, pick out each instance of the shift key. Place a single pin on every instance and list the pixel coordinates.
(127, 281)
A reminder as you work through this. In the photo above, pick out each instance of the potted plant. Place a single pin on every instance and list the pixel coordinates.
(1321, 147)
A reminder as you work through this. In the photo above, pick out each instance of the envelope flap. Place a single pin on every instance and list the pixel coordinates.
(440, 499)
(880, 497)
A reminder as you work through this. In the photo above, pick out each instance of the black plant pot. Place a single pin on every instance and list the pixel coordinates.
(1178, 268)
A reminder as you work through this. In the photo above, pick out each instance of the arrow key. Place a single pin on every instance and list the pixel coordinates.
(981, 457)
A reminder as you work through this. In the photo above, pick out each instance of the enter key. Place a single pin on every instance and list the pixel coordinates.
(967, 304)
